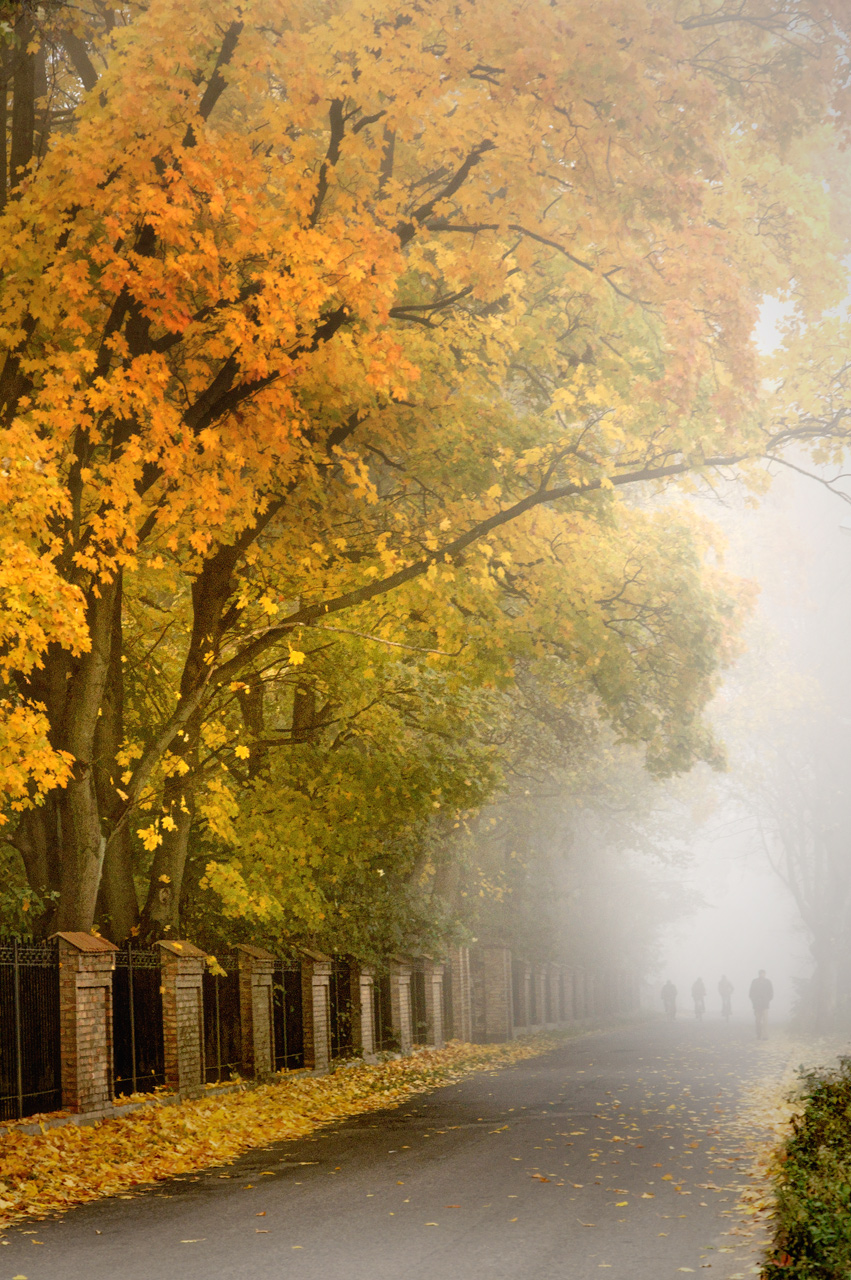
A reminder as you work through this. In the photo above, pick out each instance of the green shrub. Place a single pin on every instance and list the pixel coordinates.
(812, 1238)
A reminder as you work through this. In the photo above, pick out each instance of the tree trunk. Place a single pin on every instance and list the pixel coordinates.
(825, 986)
(37, 841)
(83, 846)
(161, 913)
(118, 906)
(82, 825)
(23, 102)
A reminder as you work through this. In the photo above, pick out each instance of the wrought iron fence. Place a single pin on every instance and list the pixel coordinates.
(342, 1013)
(287, 1016)
(30, 1065)
(137, 1020)
(222, 1024)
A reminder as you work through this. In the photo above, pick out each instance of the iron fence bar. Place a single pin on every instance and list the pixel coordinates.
(218, 1031)
(284, 1018)
(19, 1069)
(133, 1070)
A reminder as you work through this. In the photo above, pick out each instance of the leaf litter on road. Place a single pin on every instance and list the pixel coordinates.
(49, 1172)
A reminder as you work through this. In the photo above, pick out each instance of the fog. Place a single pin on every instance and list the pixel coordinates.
(795, 546)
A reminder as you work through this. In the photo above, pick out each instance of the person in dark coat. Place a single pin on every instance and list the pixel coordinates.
(698, 995)
(761, 994)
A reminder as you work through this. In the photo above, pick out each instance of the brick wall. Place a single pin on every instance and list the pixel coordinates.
(434, 976)
(400, 1004)
(182, 968)
(86, 963)
(498, 1004)
(256, 969)
(366, 984)
(459, 979)
(316, 1009)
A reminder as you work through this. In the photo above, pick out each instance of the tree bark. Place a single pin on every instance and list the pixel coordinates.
(118, 906)
(23, 102)
(82, 833)
(161, 913)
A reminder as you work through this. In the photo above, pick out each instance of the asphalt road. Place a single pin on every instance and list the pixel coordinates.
(615, 1152)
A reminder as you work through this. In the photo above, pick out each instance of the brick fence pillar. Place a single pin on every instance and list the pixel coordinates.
(401, 1014)
(366, 983)
(498, 1001)
(526, 988)
(256, 969)
(86, 963)
(434, 977)
(540, 995)
(316, 1009)
(551, 988)
(567, 986)
(459, 994)
(182, 966)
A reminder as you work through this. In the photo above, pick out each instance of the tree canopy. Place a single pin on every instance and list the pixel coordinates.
(354, 328)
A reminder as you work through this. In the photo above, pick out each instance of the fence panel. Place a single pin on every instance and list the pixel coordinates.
(222, 1025)
(137, 1021)
(287, 1016)
(30, 1065)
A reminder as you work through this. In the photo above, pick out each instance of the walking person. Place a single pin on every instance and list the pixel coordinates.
(725, 991)
(761, 994)
(669, 1000)
(698, 995)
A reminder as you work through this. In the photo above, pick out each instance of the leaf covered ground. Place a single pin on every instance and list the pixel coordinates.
(812, 1181)
(755, 1139)
(46, 1173)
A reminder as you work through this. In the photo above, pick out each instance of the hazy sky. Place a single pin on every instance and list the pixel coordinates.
(794, 547)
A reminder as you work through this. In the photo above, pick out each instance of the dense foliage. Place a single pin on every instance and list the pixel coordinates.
(813, 1184)
(347, 350)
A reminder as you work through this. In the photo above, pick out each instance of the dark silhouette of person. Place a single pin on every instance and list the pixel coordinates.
(725, 991)
(698, 995)
(761, 994)
(669, 1000)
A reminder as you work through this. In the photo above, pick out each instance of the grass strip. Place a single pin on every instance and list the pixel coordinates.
(44, 1174)
(812, 1183)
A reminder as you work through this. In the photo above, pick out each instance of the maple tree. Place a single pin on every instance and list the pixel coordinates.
(374, 311)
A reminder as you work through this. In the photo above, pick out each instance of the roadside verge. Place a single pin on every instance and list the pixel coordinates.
(45, 1173)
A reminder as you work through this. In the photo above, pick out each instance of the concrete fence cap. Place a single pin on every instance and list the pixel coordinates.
(256, 953)
(182, 949)
(89, 942)
(318, 957)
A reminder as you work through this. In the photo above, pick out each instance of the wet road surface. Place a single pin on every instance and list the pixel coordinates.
(616, 1152)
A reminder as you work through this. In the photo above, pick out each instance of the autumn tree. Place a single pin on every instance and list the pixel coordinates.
(372, 313)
